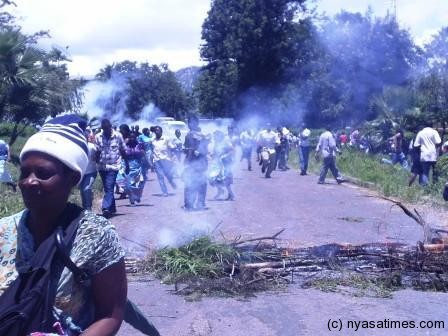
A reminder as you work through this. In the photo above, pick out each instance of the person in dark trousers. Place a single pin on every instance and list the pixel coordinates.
(327, 149)
(429, 141)
(416, 168)
(268, 139)
(195, 167)
(282, 150)
(304, 150)
(110, 148)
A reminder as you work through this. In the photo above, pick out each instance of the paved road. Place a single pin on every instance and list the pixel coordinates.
(311, 214)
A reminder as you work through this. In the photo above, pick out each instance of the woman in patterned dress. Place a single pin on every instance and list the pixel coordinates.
(47, 176)
(134, 178)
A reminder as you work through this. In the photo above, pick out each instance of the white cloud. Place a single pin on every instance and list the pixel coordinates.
(88, 65)
(100, 32)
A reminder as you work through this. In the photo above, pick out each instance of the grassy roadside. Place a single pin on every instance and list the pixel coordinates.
(388, 180)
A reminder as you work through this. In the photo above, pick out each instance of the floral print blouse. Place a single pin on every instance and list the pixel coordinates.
(95, 247)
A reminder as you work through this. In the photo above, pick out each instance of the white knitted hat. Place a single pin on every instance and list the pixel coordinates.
(62, 138)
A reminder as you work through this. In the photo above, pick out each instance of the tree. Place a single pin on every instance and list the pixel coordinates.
(248, 43)
(139, 85)
(360, 56)
(32, 86)
(433, 82)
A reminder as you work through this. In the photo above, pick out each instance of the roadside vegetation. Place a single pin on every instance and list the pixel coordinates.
(367, 171)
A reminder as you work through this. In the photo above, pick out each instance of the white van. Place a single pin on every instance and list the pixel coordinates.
(160, 120)
(170, 126)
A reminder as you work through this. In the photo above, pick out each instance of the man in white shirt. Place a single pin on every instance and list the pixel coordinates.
(268, 139)
(327, 149)
(304, 149)
(162, 160)
(428, 140)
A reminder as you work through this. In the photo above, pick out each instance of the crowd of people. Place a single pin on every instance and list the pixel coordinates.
(123, 157)
(66, 154)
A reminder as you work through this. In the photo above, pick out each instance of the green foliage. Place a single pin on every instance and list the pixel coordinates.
(33, 83)
(247, 43)
(142, 84)
(10, 202)
(7, 128)
(442, 167)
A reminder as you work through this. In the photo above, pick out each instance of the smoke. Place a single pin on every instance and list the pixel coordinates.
(184, 234)
(107, 99)
(150, 112)
(361, 56)
(280, 106)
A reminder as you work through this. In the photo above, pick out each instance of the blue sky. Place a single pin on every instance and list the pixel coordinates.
(100, 32)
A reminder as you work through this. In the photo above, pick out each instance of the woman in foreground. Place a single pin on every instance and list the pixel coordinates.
(52, 163)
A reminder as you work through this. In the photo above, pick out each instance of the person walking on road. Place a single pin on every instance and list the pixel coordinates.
(222, 175)
(162, 161)
(268, 140)
(327, 149)
(134, 157)
(145, 140)
(247, 145)
(195, 167)
(304, 149)
(110, 146)
(86, 185)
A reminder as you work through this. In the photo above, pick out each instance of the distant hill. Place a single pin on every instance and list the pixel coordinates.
(187, 77)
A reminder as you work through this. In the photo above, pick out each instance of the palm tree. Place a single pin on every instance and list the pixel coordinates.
(31, 86)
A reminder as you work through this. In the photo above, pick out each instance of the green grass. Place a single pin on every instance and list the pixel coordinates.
(202, 257)
(388, 180)
(10, 202)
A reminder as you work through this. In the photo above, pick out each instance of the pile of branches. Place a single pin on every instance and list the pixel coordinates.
(242, 267)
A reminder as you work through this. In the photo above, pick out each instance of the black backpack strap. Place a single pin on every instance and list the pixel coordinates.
(64, 241)
(80, 275)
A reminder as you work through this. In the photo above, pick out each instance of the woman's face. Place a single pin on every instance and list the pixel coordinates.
(45, 182)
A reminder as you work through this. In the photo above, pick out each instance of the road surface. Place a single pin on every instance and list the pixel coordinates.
(312, 214)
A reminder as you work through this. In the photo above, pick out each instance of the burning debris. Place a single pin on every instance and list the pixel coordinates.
(243, 267)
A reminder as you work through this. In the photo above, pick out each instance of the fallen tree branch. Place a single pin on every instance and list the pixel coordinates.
(274, 237)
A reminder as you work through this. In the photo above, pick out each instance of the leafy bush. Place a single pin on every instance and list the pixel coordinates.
(6, 130)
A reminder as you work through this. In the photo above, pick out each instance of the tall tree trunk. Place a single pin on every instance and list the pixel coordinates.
(17, 131)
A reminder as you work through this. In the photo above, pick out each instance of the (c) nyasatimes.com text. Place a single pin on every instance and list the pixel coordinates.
(338, 324)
